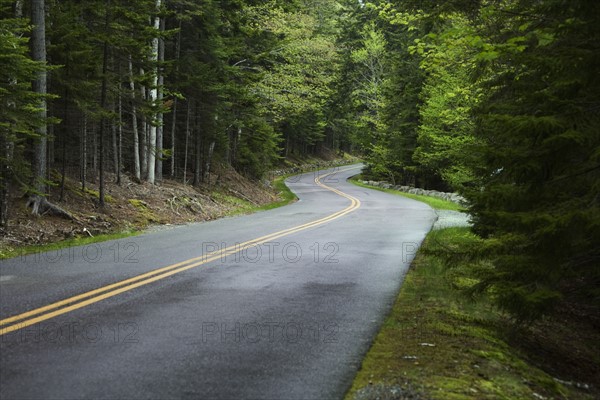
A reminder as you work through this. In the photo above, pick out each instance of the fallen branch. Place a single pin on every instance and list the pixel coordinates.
(238, 194)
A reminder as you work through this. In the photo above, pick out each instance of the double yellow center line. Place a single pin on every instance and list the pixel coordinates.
(44, 313)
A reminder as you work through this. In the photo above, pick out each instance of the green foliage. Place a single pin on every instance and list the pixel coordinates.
(297, 74)
(446, 133)
(497, 100)
(258, 148)
(19, 104)
(536, 190)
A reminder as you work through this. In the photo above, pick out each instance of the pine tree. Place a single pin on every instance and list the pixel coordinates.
(19, 117)
(537, 193)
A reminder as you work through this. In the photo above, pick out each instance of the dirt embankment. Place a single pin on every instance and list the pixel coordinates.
(133, 206)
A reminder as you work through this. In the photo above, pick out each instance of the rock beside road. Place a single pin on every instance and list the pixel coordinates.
(453, 197)
(450, 219)
(386, 392)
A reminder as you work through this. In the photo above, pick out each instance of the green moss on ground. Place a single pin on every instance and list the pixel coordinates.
(446, 345)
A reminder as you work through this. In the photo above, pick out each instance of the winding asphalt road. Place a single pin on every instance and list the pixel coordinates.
(281, 304)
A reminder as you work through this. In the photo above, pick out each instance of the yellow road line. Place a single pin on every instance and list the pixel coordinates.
(29, 318)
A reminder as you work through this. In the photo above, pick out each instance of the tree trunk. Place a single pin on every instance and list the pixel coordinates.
(19, 9)
(211, 149)
(6, 148)
(153, 97)
(84, 151)
(160, 116)
(120, 139)
(65, 125)
(38, 53)
(134, 125)
(187, 140)
(94, 153)
(144, 133)
(198, 152)
(103, 109)
(173, 127)
(113, 137)
(174, 115)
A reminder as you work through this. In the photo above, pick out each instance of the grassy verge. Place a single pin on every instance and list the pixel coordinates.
(441, 345)
(285, 194)
(433, 202)
(80, 241)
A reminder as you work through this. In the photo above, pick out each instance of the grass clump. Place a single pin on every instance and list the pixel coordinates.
(286, 196)
(145, 215)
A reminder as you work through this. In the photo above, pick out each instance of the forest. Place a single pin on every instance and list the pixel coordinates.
(498, 100)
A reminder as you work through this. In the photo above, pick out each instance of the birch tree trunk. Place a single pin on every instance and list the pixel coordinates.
(143, 132)
(153, 97)
(134, 125)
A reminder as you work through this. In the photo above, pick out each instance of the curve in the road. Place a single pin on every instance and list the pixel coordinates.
(61, 307)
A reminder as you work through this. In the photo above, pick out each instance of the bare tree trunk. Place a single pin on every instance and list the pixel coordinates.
(37, 201)
(38, 53)
(65, 124)
(211, 149)
(173, 127)
(236, 141)
(94, 153)
(153, 97)
(113, 137)
(144, 133)
(160, 116)
(103, 91)
(51, 139)
(84, 151)
(198, 153)
(134, 125)
(6, 148)
(120, 139)
(174, 116)
(18, 9)
(187, 139)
